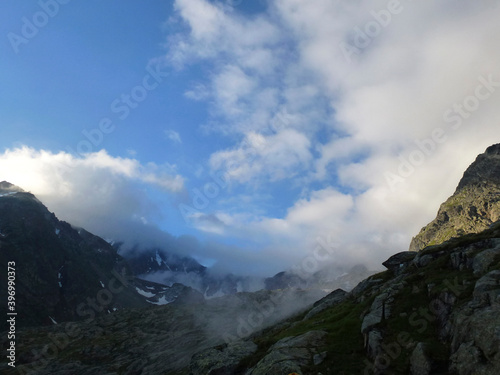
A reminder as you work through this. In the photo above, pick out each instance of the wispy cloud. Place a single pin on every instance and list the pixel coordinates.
(173, 136)
(298, 108)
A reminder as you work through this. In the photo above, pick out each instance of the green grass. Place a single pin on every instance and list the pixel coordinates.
(344, 342)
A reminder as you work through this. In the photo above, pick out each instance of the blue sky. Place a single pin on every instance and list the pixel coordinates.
(319, 120)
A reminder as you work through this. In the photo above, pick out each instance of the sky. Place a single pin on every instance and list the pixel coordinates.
(255, 136)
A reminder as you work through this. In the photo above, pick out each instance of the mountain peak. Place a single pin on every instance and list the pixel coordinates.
(473, 207)
(484, 171)
(7, 187)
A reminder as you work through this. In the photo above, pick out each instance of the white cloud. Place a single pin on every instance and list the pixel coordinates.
(274, 157)
(101, 193)
(173, 136)
(348, 121)
(198, 92)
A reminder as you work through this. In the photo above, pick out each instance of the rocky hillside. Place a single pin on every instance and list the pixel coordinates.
(473, 207)
(435, 311)
(432, 312)
(65, 273)
(154, 340)
(327, 279)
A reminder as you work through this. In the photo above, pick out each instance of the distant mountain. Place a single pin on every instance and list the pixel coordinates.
(327, 279)
(473, 207)
(143, 262)
(64, 273)
(436, 311)
(167, 268)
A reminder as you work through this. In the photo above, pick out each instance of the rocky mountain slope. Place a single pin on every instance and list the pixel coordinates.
(435, 311)
(64, 273)
(168, 268)
(473, 207)
(154, 340)
(432, 312)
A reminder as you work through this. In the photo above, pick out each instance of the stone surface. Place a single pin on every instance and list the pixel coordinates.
(221, 360)
(291, 354)
(399, 261)
(473, 207)
(330, 300)
(420, 362)
(485, 259)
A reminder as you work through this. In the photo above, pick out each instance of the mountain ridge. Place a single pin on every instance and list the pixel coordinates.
(433, 311)
(473, 207)
(66, 273)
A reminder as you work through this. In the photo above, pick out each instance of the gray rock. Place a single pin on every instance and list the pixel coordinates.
(466, 359)
(221, 360)
(398, 262)
(487, 289)
(420, 362)
(422, 259)
(330, 300)
(475, 337)
(319, 358)
(374, 341)
(291, 354)
(485, 259)
(380, 309)
(365, 285)
(462, 259)
(473, 207)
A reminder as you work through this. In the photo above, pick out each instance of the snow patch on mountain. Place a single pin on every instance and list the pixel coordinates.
(162, 301)
(159, 260)
(144, 293)
(8, 194)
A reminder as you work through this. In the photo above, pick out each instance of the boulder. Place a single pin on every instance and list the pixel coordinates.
(486, 258)
(291, 354)
(334, 298)
(221, 360)
(420, 362)
(487, 289)
(398, 262)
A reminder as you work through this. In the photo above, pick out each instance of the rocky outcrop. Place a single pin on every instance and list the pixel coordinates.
(398, 262)
(292, 354)
(420, 362)
(473, 207)
(327, 302)
(475, 344)
(221, 360)
(439, 313)
(432, 312)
